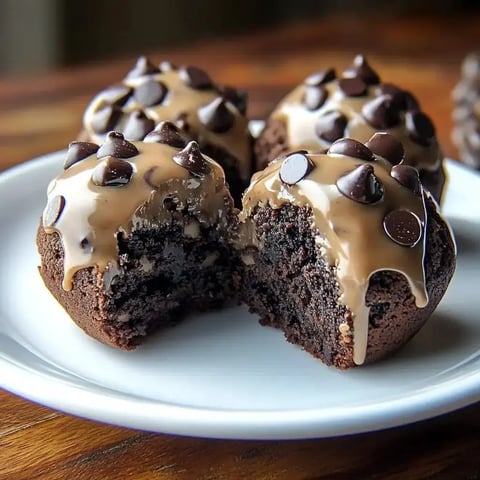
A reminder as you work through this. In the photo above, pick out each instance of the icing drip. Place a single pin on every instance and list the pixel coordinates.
(92, 215)
(351, 235)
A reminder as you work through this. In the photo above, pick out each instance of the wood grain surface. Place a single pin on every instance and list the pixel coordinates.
(42, 114)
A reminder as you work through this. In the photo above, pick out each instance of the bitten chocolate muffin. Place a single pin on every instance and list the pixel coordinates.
(466, 112)
(356, 104)
(134, 234)
(344, 251)
(213, 115)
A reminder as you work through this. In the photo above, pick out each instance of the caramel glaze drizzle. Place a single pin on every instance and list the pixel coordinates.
(352, 238)
(92, 215)
(180, 100)
(300, 123)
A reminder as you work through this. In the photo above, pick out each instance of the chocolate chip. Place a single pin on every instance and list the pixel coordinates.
(112, 172)
(78, 151)
(320, 78)
(236, 97)
(117, 95)
(195, 77)
(192, 160)
(386, 146)
(403, 227)
(331, 126)
(361, 68)
(137, 126)
(353, 87)
(105, 119)
(403, 99)
(150, 93)
(408, 177)
(294, 168)
(53, 210)
(381, 112)
(314, 97)
(142, 67)
(411, 102)
(361, 185)
(167, 133)
(167, 66)
(216, 116)
(420, 128)
(389, 89)
(352, 148)
(116, 146)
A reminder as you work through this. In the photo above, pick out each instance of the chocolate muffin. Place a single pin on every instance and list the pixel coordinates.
(212, 115)
(466, 112)
(134, 235)
(344, 251)
(356, 104)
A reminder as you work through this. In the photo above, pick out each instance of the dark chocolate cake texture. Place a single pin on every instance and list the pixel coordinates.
(344, 250)
(134, 234)
(466, 112)
(356, 104)
(211, 114)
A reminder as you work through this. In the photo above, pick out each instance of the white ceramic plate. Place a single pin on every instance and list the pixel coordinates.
(223, 375)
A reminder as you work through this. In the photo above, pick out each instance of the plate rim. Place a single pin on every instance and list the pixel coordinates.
(113, 407)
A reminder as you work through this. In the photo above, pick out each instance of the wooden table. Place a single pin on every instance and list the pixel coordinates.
(42, 113)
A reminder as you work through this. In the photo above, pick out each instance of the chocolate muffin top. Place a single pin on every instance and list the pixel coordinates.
(121, 186)
(356, 104)
(208, 113)
(368, 215)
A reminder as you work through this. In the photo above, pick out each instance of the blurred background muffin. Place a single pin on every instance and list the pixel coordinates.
(466, 112)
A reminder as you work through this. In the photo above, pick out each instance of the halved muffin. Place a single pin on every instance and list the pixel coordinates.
(134, 235)
(344, 250)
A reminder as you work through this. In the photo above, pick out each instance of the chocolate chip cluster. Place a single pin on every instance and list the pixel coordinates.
(389, 108)
(113, 169)
(466, 113)
(116, 163)
(210, 114)
(131, 107)
(361, 185)
(355, 104)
